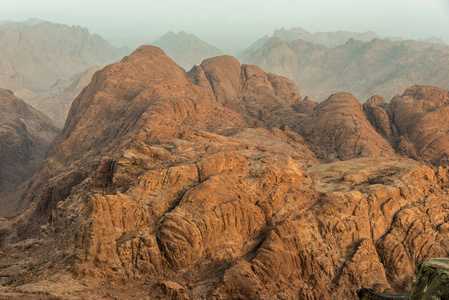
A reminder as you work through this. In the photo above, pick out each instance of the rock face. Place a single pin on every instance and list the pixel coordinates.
(376, 67)
(415, 124)
(338, 129)
(186, 49)
(25, 135)
(421, 117)
(33, 57)
(207, 185)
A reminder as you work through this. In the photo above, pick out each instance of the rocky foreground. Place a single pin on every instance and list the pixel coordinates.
(224, 183)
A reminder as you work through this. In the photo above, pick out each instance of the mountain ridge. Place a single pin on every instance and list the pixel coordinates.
(45, 52)
(215, 184)
(25, 135)
(378, 67)
(185, 48)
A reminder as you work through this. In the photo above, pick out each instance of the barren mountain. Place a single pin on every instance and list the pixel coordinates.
(186, 49)
(378, 67)
(207, 185)
(338, 129)
(35, 56)
(328, 39)
(416, 123)
(25, 135)
(56, 102)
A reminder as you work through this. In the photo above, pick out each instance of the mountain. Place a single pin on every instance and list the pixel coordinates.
(35, 54)
(25, 135)
(328, 39)
(378, 67)
(32, 22)
(224, 183)
(185, 48)
(434, 40)
(56, 102)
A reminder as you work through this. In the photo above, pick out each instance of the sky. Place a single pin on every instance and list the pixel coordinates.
(122, 20)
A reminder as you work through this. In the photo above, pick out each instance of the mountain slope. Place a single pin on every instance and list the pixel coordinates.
(185, 48)
(200, 185)
(25, 135)
(34, 57)
(362, 68)
(56, 102)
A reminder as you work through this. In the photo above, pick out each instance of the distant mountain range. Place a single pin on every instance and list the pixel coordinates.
(186, 49)
(364, 69)
(56, 102)
(329, 39)
(35, 54)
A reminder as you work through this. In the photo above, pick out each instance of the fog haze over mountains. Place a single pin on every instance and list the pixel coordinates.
(143, 21)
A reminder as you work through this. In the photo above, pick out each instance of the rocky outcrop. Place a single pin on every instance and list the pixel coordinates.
(186, 49)
(200, 185)
(338, 129)
(262, 99)
(422, 121)
(25, 135)
(375, 110)
(364, 69)
(415, 123)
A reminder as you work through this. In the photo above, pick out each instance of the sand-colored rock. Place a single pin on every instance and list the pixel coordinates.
(338, 129)
(421, 117)
(200, 185)
(256, 95)
(375, 110)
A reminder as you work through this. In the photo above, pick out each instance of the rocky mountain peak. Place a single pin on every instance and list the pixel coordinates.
(223, 182)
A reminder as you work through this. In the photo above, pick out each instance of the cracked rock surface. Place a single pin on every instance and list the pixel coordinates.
(216, 184)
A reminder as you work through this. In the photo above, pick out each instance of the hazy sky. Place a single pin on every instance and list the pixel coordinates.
(413, 19)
